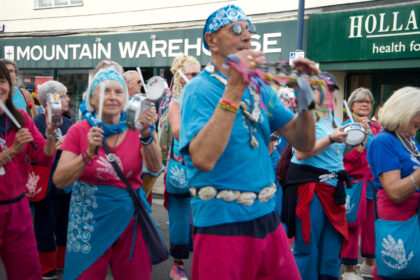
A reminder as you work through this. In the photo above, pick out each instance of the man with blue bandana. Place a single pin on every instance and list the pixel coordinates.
(237, 233)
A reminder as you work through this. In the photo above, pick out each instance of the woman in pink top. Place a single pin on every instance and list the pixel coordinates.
(103, 230)
(17, 240)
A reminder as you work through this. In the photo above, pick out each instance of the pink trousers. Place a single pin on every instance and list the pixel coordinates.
(17, 242)
(118, 257)
(243, 257)
(365, 229)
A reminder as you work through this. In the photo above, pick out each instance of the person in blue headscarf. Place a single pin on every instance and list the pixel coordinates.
(103, 230)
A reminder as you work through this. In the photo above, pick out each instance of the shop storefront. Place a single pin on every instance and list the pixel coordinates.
(71, 59)
(374, 48)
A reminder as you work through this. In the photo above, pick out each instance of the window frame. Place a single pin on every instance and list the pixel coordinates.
(53, 6)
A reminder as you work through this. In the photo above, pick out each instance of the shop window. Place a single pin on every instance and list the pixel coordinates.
(57, 3)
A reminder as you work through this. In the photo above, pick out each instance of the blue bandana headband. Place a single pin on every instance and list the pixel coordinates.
(105, 75)
(222, 17)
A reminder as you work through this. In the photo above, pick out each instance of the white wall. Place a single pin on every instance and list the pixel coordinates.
(22, 16)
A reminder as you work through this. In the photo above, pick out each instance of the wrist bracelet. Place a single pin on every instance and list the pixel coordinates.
(414, 182)
(228, 106)
(146, 140)
(51, 136)
(331, 139)
(87, 159)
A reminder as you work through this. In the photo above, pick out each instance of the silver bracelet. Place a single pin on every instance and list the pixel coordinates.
(414, 182)
(7, 155)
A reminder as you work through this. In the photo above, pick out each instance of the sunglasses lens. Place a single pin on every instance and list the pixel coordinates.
(237, 29)
(251, 28)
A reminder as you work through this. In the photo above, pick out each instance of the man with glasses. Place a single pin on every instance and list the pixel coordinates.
(237, 233)
(132, 79)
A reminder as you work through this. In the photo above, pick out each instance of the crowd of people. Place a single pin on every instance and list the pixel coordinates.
(258, 184)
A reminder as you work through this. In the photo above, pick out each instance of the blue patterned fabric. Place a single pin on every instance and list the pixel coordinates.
(222, 17)
(106, 75)
(108, 129)
(98, 215)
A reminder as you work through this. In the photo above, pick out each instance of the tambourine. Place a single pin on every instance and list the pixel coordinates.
(156, 87)
(54, 108)
(355, 133)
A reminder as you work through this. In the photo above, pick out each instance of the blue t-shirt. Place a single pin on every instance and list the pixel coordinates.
(387, 153)
(331, 158)
(18, 99)
(240, 167)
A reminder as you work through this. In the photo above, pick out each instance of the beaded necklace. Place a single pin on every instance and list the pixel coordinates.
(410, 146)
(250, 113)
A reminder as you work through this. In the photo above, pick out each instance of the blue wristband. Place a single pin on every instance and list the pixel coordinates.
(146, 140)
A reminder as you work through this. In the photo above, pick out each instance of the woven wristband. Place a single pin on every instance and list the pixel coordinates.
(228, 106)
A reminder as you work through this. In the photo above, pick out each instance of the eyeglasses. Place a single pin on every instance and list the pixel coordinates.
(192, 74)
(332, 88)
(369, 102)
(238, 29)
(64, 96)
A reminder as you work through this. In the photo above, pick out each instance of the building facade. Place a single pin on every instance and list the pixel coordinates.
(65, 39)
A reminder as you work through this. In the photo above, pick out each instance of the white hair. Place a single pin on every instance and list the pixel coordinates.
(400, 108)
(47, 88)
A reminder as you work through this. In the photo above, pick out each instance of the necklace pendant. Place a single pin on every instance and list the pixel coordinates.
(2, 171)
(111, 157)
(254, 142)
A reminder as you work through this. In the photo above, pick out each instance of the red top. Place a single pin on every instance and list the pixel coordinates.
(12, 184)
(101, 171)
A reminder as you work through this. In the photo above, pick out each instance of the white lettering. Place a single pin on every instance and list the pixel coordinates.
(64, 53)
(156, 48)
(412, 20)
(172, 47)
(106, 52)
(23, 53)
(267, 43)
(46, 57)
(195, 47)
(74, 48)
(85, 52)
(394, 47)
(143, 49)
(381, 23)
(356, 27)
(414, 46)
(255, 45)
(395, 22)
(128, 47)
(373, 24)
(36, 48)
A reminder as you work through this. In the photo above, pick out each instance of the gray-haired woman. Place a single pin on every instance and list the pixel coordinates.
(51, 213)
(394, 160)
(359, 202)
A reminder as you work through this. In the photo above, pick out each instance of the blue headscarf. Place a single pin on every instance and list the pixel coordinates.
(91, 116)
(222, 17)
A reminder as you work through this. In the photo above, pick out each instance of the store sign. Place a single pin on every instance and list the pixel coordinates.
(383, 33)
(148, 49)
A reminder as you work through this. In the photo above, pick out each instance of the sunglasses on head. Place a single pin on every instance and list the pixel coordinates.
(238, 29)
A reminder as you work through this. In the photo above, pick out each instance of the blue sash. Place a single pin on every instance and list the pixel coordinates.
(353, 196)
(397, 248)
(176, 176)
(98, 215)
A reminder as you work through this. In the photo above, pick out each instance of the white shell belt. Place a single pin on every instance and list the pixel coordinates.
(245, 198)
